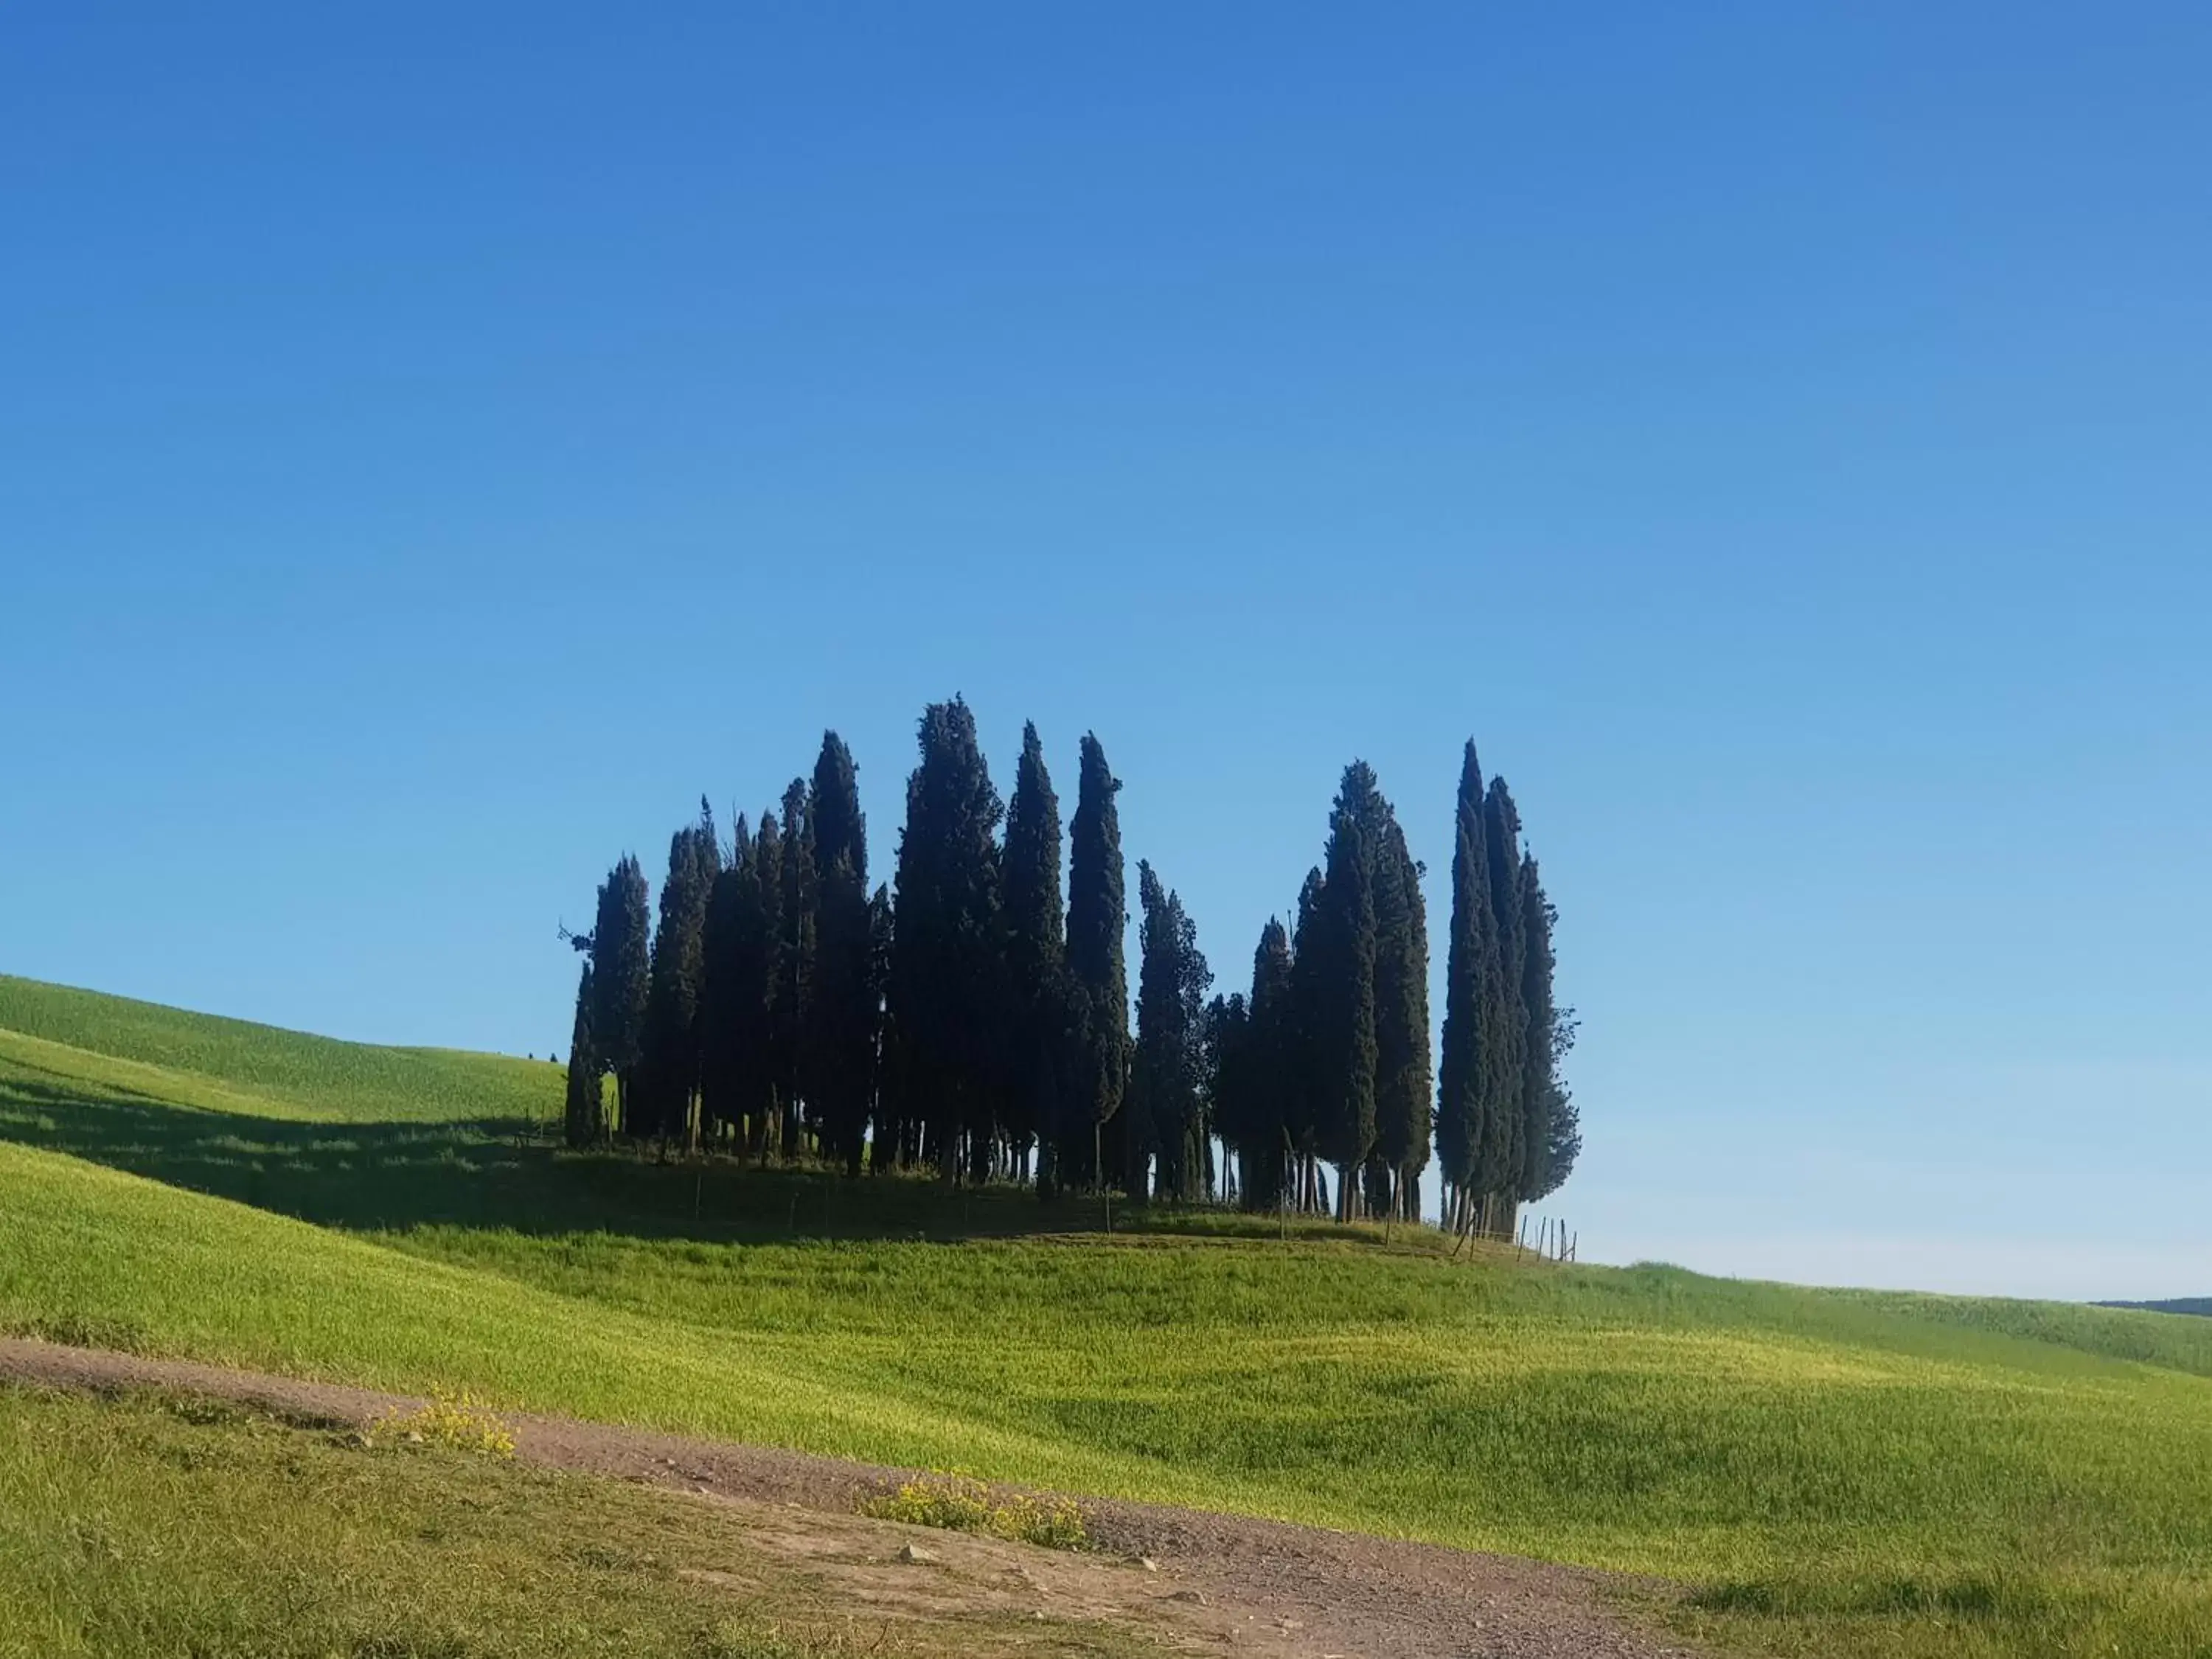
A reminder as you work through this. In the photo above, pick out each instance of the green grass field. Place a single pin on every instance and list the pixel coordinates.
(1831, 1472)
(151, 1528)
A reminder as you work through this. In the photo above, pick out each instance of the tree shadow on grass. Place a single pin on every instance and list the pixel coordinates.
(501, 1173)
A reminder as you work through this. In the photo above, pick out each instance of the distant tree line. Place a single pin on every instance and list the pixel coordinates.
(972, 1016)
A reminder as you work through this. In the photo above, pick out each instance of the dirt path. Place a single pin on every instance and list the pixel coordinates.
(1217, 1584)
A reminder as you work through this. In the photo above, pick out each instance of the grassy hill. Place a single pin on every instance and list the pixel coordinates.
(205, 1059)
(1834, 1472)
(2200, 1305)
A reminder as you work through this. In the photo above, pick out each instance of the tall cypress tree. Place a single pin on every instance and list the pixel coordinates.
(1473, 975)
(1403, 1085)
(1138, 1133)
(720, 996)
(1498, 1158)
(760, 1055)
(1305, 1101)
(1550, 1127)
(1097, 919)
(842, 1045)
(586, 1116)
(621, 964)
(669, 1071)
(799, 926)
(947, 959)
(1271, 1076)
(1164, 1111)
(1347, 979)
(841, 829)
(1037, 950)
(892, 1147)
(1231, 1100)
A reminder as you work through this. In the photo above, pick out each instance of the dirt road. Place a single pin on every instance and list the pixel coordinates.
(1205, 1583)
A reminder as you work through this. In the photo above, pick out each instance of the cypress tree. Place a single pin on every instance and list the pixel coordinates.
(1097, 919)
(738, 1061)
(622, 959)
(798, 931)
(1498, 1158)
(1551, 1128)
(1037, 950)
(1472, 980)
(1271, 1076)
(669, 1071)
(890, 1139)
(720, 999)
(1139, 1133)
(1402, 1082)
(586, 1116)
(842, 1045)
(1346, 978)
(947, 958)
(761, 1061)
(1231, 1101)
(841, 829)
(1305, 1099)
(1167, 1089)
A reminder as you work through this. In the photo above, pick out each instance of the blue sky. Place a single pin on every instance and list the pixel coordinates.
(439, 443)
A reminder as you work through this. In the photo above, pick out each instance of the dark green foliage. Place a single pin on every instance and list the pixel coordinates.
(1402, 1081)
(1499, 1157)
(840, 828)
(842, 1048)
(586, 1116)
(743, 964)
(1271, 1073)
(1359, 1009)
(1344, 974)
(1164, 1116)
(797, 932)
(1474, 996)
(668, 1073)
(1550, 1127)
(1136, 1134)
(1232, 1104)
(1038, 1060)
(1484, 1106)
(1307, 1095)
(762, 1052)
(1302, 1023)
(977, 1020)
(622, 965)
(890, 1147)
(1098, 992)
(948, 956)
(720, 996)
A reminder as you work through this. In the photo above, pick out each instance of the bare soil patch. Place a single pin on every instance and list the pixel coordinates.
(1201, 1581)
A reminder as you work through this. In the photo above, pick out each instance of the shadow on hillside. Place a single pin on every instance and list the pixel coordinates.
(497, 1175)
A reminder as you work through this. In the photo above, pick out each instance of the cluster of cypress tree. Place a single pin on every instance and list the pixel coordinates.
(971, 1019)
(1328, 1060)
(1507, 1129)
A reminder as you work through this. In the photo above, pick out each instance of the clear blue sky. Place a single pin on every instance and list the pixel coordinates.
(438, 443)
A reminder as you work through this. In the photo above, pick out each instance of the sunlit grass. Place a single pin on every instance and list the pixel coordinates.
(285, 1074)
(1829, 1471)
(146, 1528)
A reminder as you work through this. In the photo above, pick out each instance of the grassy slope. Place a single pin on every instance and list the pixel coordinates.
(149, 1527)
(2199, 1305)
(285, 1074)
(1853, 1472)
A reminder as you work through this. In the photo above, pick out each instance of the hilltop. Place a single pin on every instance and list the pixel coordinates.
(1824, 1471)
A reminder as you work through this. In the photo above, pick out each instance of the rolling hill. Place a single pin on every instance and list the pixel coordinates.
(2201, 1305)
(1829, 1471)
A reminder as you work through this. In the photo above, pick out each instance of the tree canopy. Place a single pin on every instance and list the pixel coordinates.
(973, 1017)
